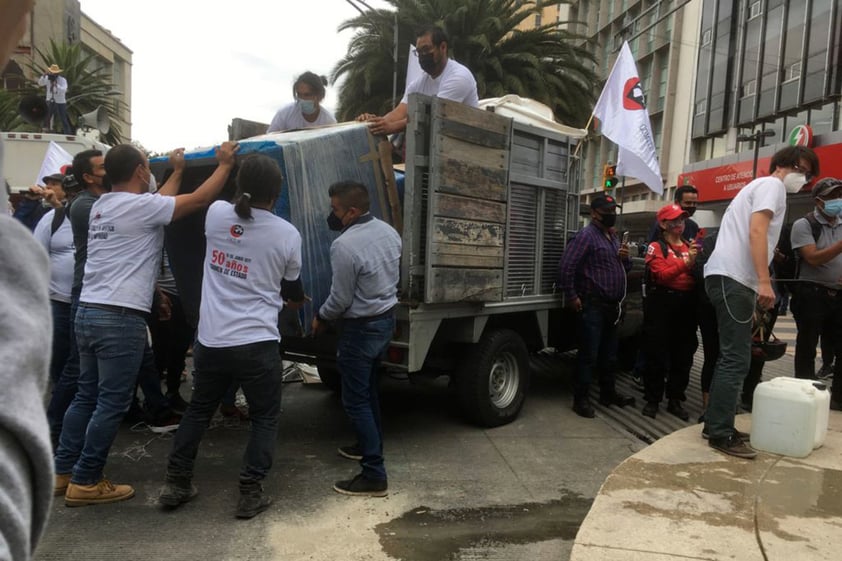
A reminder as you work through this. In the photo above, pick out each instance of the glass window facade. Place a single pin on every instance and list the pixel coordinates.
(764, 60)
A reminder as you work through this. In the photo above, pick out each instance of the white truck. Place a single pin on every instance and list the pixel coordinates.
(486, 209)
(24, 153)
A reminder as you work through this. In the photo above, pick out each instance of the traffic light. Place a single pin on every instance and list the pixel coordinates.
(609, 176)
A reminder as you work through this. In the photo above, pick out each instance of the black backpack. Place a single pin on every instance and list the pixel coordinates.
(58, 218)
(789, 268)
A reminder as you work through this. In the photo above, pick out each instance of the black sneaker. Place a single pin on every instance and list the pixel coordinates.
(674, 406)
(362, 486)
(825, 372)
(733, 446)
(177, 492)
(615, 398)
(252, 500)
(650, 409)
(351, 452)
(582, 407)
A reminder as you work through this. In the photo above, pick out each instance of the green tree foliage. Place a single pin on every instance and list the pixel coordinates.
(88, 87)
(552, 65)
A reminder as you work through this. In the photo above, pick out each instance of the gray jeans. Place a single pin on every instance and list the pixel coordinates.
(734, 304)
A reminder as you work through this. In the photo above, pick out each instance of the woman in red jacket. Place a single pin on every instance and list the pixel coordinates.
(669, 314)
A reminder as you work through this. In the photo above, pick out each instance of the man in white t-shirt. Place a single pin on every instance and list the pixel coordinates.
(125, 241)
(443, 77)
(737, 280)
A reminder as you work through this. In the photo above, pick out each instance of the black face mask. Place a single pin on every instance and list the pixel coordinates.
(608, 220)
(334, 222)
(690, 210)
(427, 63)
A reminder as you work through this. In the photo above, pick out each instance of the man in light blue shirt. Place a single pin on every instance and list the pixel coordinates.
(365, 259)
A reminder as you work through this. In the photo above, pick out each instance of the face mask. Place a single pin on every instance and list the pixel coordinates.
(833, 207)
(608, 220)
(427, 63)
(308, 106)
(334, 222)
(153, 183)
(690, 210)
(678, 229)
(794, 182)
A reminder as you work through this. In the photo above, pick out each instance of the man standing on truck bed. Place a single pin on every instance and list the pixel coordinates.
(443, 77)
(365, 259)
(592, 276)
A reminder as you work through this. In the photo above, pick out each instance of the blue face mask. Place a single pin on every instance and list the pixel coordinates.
(833, 207)
(308, 106)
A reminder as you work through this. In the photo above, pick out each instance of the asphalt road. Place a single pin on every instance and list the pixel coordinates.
(457, 492)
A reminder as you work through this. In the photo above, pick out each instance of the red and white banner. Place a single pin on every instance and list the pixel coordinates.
(623, 118)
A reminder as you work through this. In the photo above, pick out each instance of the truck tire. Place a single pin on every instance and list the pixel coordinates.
(493, 378)
(329, 375)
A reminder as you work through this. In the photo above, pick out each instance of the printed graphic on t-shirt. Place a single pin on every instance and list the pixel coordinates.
(100, 231)
(229, 264)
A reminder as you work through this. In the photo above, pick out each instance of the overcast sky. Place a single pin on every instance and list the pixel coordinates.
(199, 64)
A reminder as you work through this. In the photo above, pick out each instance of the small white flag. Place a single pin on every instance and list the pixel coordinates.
(55, 158)
(623, 118)
(413, 69)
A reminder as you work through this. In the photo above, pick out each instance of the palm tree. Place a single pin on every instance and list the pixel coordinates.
(89, 86)
(551, 65)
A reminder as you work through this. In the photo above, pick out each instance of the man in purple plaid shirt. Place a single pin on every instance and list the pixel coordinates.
(592, 276)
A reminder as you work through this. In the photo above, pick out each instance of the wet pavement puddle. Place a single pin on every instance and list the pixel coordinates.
(424, 534)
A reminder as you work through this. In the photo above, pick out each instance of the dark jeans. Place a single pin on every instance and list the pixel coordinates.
(111, 346)
(597, 339)
(256, 367)
(154, 400)
(734, 304)
(669, 333)
(61, 338)
(64, 386)
(58, 112)
(706, 317)
(361, 344)
(170, 340)
(818, 313)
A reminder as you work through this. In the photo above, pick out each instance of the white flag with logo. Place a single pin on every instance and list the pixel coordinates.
(623, 118)
(54, 159)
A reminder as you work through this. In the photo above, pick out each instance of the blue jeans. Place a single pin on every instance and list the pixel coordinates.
(64, 385)
(361, 344)
(734, 304)
(256, 367)
(597, 330)
(111, 346)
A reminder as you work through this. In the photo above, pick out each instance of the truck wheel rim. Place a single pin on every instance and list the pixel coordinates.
(503, 380)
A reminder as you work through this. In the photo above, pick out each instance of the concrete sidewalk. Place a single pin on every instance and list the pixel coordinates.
(680, 499)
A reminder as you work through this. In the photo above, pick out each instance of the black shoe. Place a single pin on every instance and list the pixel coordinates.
(674, 406)
(177, 491)
(825, 372)
(733, 446)
(583, 408)
(741, 434)
(351, 452)
(362, 486)
(252, 500)
(617, 399)
(836, 405)
(650, 409)
(746, 405)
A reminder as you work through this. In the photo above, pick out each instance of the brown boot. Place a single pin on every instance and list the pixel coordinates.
(98, 493)
(62, 479)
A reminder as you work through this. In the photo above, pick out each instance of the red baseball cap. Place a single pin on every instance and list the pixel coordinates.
(671, 212)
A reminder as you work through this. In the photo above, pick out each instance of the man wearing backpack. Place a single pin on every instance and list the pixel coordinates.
(737, 280)
(817, 305)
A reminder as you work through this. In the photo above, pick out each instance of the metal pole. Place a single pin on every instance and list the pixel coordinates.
(756, 154)
(395, 65)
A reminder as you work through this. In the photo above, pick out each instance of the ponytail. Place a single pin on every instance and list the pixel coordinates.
(243, 206)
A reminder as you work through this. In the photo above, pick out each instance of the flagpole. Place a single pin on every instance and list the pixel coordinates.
(622, 197)
(587, 126)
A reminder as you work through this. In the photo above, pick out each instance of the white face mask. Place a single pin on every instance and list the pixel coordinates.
(794, 182)
(153, 183)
